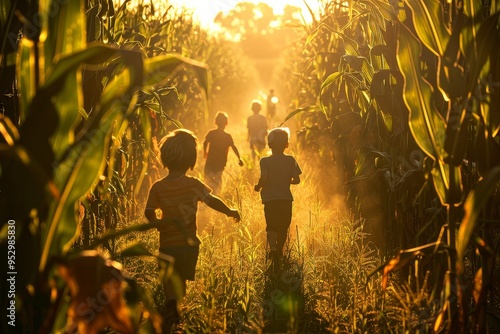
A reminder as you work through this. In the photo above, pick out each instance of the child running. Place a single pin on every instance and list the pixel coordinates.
(277, 172)
(215, 149)
(257, 128)
(177, 196)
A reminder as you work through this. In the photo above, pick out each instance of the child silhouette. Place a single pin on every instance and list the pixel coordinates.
(177, 196)
(215, 149)
(277, 172)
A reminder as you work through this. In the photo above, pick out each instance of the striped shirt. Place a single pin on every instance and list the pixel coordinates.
(178, 200)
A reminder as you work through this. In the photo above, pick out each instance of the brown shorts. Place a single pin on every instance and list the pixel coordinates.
(278, 215)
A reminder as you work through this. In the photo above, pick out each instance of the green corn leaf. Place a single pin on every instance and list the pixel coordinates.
(313, 35)
(157, 69)
(474, 203)
(447, 182)
(297, 111)
(26, 76)
(329, 80)
(61, 16)
(93, 54)
(384, 8)
(428, 21)
(80, 170)
(386, 119)
(426, 124)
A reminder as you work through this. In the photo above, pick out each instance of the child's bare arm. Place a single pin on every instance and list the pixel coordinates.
(217, 204)
(262, 179)
(151, 206)
(237, 154)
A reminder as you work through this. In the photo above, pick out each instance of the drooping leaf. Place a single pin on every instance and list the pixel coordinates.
(329, 80)
(426, 124)
(93, 54)
(157, 70)
(297, 111)
(447, 180)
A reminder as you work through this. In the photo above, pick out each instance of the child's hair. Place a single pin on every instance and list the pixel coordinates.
(278, 138)
(178, 150)
(221, 118)
(256, 105)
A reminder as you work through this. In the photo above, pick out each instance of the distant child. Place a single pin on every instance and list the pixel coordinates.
(277, 172)
(215, 148)
(177, 196)
(257, 129)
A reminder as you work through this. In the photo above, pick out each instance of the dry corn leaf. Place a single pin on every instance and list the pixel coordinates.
(96, 286)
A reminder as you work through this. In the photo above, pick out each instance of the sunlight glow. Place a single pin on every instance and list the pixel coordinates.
(205, 11)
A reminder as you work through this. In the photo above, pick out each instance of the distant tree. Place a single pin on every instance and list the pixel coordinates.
(261, 33)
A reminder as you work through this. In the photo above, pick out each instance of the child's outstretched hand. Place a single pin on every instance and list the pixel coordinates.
(257, 187)
(240, 162)
(233, 213)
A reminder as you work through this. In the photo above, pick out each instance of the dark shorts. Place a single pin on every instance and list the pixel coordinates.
(185, 260)
(278, 215)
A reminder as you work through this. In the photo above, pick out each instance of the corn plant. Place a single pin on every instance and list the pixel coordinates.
(441, 92)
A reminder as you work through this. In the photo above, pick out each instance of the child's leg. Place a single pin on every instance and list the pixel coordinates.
(209, 179)
(278, 215)
(272, 240)
(281, 239)
(174, 288)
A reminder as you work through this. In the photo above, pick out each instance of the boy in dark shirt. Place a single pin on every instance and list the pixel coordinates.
(177, 196)
(215, 149)
(277, 172)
